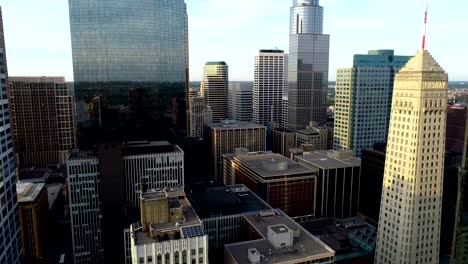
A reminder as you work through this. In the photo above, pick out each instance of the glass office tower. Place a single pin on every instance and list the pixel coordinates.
(130, 63)
(308, 65)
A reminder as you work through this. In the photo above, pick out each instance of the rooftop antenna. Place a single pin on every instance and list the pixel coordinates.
(425, 27)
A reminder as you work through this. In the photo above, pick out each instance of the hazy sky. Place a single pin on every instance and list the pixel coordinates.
(38, 38)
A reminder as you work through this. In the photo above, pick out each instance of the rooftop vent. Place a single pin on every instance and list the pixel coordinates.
(275, 165)
(253, 255)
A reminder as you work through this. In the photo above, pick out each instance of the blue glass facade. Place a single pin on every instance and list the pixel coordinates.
(130, 63)
(10, 242)
(308, 65)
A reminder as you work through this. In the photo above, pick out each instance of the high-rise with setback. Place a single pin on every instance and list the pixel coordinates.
(270, 81)
(214, 88)
(130, 64)
(364, 100)
(411, 207)
(308, 65)
(10, 242)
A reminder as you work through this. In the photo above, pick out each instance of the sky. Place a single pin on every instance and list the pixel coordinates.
(38, 35)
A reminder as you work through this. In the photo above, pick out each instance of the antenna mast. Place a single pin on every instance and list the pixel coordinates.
(425, 26)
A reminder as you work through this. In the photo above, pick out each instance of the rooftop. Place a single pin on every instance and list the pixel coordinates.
(233, 124)
(211, 200)
(37, 79)
(148, 147)
(269, 165)
(324, 159)
(271, 51)
(305, 247)
(216, 63)
(28, 192)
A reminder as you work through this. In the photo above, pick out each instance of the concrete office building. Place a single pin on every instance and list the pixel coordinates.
(314, 135)
(9, 223)
(214, 88)
(134, 85)
(270, 82)
(410, 215)
(283, 141)
(338, 182)
(157, 165)
(43, 120)
(169, 230)
(85, 208)
(228, 135)
(281, 182)
(308, 65)
(364, 99)
(34, 219)
(199, 115)
(272, 237)
(240, 101)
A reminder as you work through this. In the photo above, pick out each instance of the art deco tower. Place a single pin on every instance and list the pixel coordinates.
(410, 214)
(308, 65)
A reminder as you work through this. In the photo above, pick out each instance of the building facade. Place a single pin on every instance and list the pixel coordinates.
(338, 182)
(34, 219)
(308, 65)
(170, 231)
(364, 98)
(456, 126)
(85, 208)
(131, 77)
(199, 115)
(240, 101)
(270, 81)
(281, 182)
(411, 208)
(10, 247)
(228, 135)
(314, 135)
(43, 120)
(214, 88)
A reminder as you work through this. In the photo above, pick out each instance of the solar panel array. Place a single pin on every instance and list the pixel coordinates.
(193, 231)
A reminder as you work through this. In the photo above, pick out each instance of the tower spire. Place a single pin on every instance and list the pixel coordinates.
(425, 26)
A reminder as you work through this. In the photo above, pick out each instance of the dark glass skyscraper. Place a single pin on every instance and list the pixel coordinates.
(130, 63)
(308, 65)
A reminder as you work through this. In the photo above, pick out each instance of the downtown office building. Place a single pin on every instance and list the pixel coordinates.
(308, 65)
(214, 88)
(130, 63)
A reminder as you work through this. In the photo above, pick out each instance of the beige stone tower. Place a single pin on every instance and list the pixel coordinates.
(411, 205)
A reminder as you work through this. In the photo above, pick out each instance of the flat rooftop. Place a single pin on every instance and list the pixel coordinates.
(37, 79)
(323, 160)
(212, 200)
(305, 246)
(232, 124)
(268, 165)
(149, 147)
(28, 192)
(191, 227)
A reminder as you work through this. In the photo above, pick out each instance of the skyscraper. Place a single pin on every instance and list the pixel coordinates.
(130, 63)
(270, 81)
(240, 101)
(10, 244)
(43, 120)
(308, 65)
(214, 88)
(410, 214)
(199, 115)
(364, 100)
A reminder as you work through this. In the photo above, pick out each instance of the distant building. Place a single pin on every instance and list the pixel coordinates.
(199, 115)
(272, 237)
(221, 209)
(34, 216)
(43, 120)
(281, 182)
(85, 208)
(308, 64)
(456, 125)
(352, 239)
(283, 141)
(169, 230)
(240, 101)
(193, 93)
(317, 136)
(338, 180)
(214, 88)
(228, 135)
(364, 98)
(10, 245)
(270, 82)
